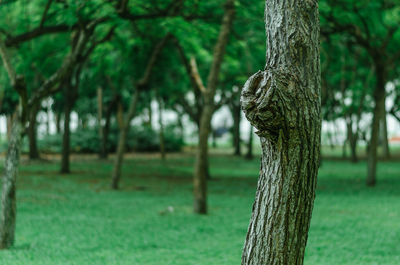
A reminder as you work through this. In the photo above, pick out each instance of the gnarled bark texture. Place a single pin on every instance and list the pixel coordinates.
(8, 194)
(283, 103)
(201, 166)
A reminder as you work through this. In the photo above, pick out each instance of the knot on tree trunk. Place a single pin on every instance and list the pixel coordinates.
(263, 98)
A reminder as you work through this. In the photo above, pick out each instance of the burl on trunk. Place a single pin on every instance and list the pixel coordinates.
(283, 104)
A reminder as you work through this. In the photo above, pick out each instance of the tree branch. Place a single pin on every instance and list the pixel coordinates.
(143, 82)
(37, 32)
(46, 9)
(194, 72)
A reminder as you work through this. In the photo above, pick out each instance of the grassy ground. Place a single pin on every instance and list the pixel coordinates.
(76, 219)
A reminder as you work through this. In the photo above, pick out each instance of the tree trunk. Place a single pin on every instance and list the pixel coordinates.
(119, 157)
(385, 138)
(8, 194)
(124, 130)
(379, 98)
(102, 153)
(201, 166)
(48, 120)
(104, 139)
(58, 122)
(283, 103)
(352, 139)
(32, 133)
(161, 132)
(9, 118)
(65, 152)
(249, 154)
(125, 123)
(236, 114)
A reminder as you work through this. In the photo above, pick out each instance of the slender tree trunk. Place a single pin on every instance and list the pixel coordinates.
(102, 153)
(283, 103)
(249, 154)
(65, 152)
(58, 122)
(104, 139)
(48, 120)
(352, 140)
(119, 157)
(201, 166)
(124, 130)
(32, 133)
(8, 194)
(125, 123)
(214, 138)
(9, 118)
(385, 138)
(161, 132)
(379, 98)
(236, 114)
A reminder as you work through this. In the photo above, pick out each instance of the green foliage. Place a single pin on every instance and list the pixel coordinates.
(140, 139)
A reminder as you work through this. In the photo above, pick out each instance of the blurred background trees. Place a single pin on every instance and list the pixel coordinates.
(105, 77)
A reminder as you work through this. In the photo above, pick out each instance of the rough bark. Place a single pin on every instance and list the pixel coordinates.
(8, 194)
(379, 98)
(201, 166)
(249, 154)
(283, 103)
(32, 133)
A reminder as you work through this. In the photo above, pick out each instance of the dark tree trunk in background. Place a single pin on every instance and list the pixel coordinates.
(352, 140)
(32, 133)
(9, 118)
(249, 154)
(125, 123)
(201, 166)
(379, 98)
(103, 142)
(48, 120)
(65, 152)
(236, 115)
(161, 132)
(8, 194)
(283, 103)
(384, 133)
(124, 130)
(57, 117)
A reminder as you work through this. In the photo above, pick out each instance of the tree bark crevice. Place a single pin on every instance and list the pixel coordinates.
(283, 103)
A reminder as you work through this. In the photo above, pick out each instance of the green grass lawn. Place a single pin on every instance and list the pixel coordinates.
(77, 219)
